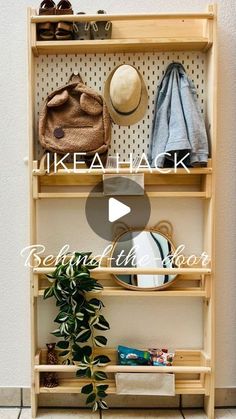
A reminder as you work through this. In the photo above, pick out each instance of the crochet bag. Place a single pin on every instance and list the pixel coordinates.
(75, 119)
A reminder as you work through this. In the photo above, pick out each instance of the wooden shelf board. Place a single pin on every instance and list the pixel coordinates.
(71, 386)
(121, 45)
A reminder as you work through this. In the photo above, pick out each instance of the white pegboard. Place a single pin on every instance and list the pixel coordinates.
(54, 71)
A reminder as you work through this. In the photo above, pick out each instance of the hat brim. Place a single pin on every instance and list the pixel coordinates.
(137, 114)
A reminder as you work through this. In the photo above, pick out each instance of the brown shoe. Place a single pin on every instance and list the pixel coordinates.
(64, 30)
(46, 30)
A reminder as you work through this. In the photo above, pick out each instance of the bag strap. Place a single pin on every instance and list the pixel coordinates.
(75, 78)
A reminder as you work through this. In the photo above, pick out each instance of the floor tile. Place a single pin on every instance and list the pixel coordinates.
(194, 414)
(225, 413)
(60, 414)
(141, 413)
(9, 413)
(219, 414)
(10, 397)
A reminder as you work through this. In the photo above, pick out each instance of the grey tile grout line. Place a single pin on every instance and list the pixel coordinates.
(21, 397)
(19, 415)
(182, 413)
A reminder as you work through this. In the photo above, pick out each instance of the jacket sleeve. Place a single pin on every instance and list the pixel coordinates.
(194, 123)
(169, 129)
(178, 135)
(160, 128)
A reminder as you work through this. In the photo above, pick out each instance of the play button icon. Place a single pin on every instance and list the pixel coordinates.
(117, 210)
(118, 199)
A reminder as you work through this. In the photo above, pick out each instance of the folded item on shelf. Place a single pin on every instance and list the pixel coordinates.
(117, 184)
(152, 384)
(161, 357)
(131, 356)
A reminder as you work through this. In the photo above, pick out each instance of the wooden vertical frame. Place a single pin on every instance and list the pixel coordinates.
(209, 223)
(207, 43)
(32, 203)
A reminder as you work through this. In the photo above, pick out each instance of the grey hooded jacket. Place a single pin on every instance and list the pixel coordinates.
(178, 125)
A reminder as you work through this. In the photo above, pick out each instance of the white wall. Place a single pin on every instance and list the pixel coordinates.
(14, 296)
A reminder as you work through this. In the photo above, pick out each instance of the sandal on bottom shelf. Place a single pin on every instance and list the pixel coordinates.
(82, 30)
(64, 30)
(102, 28)
(46, 30)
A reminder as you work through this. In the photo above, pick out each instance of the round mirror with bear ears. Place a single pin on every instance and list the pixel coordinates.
(150, 248)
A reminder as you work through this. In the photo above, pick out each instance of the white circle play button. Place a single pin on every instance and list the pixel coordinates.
(117, 210)
(117, 199)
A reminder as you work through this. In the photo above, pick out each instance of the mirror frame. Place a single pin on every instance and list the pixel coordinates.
(165, 229)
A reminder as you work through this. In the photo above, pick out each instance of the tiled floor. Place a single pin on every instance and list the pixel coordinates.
(15, 413)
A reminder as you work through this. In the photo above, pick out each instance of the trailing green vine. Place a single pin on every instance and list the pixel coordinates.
(79, 322)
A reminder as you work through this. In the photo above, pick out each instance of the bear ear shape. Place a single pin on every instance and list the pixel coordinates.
(90, 105)
(58, 99)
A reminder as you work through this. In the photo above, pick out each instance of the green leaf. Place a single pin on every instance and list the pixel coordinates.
(95, 406)
(97, 287)
(100, 376)
(63, 344)
(81, 373)
(103, 404)
(87, 389)
(84, 335)
(57, 295)
(102, 324)
(56, 333)
(79, 316)
(103, 359)
(100, 341)
(87, 350)
(94, 302)
(82, 275)
(91, 398)
(80, 352)
(101, 394)
(48, 293)
(61, 317)
(88, 373)
(102, 387)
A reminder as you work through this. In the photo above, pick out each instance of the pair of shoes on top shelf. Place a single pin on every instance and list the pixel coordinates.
(93, 30)
(67, 30)
(61, 30)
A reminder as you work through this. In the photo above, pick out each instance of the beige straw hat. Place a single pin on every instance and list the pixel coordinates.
(126, 95)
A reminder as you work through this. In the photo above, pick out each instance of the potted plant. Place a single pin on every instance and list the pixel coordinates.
(80, 324)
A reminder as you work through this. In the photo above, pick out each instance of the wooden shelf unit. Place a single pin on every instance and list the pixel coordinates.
(193, 369)
(134, 33)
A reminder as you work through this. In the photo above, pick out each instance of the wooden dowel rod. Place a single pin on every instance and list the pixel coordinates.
(75, 195)
(144, 271)
(116, 17)
(63, 172)
(124, 368)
